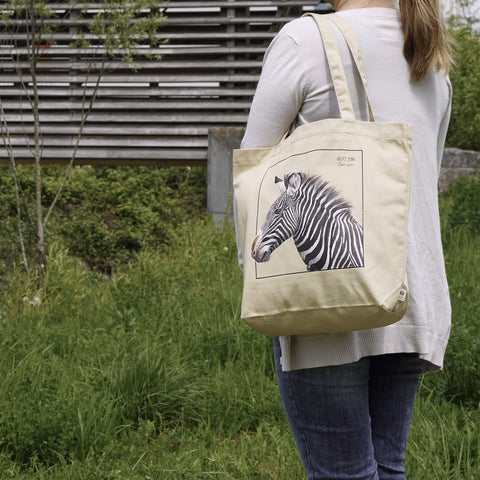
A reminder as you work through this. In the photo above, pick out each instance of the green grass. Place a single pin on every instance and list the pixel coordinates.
(152, 375)
(444, 442)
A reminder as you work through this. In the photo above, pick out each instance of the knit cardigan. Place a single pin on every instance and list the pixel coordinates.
(295, 88)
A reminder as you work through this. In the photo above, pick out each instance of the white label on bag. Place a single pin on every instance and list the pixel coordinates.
(402, 295)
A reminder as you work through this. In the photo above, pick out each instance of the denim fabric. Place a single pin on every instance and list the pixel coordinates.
(351, 421)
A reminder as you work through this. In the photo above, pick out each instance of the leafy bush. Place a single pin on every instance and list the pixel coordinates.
(464, 204)
(104, 215)
(465, 118)
(459, 382)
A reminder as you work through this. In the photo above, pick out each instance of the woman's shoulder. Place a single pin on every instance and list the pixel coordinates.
(301, 30)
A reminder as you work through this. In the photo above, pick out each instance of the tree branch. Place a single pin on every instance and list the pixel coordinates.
(8, 146)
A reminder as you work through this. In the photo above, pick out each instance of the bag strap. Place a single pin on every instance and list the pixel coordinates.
(335, 61)
(354, 47)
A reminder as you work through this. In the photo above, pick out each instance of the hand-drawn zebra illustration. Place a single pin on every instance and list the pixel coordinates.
(319, 219)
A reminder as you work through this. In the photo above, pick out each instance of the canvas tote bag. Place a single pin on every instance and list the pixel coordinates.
(321, 218)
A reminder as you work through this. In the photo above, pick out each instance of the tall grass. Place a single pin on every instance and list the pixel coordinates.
(152, 375)
(156, 353)
(444, 442)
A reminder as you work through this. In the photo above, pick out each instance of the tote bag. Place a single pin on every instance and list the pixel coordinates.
(321, 218)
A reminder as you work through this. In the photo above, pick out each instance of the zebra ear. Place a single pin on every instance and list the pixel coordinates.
(279, 185)
(292, 181)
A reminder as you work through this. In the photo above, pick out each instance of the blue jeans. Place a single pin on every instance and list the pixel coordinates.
(351, 421)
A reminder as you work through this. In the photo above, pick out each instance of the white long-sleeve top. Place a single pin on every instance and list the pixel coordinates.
(295, 88)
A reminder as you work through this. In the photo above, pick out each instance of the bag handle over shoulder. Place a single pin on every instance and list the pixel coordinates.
(335, 61)
(354, 47)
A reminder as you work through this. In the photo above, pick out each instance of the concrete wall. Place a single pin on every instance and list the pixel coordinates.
(222, 140)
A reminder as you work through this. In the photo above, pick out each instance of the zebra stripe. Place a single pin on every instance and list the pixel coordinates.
(325, 233)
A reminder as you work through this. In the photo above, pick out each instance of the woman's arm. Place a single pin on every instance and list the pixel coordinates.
(279, 95)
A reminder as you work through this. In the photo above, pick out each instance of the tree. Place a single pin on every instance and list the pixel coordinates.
(110, 33)
(464, 13)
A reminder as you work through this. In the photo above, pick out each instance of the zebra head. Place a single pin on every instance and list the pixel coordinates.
(281, 220)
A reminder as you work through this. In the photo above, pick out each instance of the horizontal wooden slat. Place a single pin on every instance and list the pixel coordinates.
(175, 21)
(193, 4)
(112, 142)
(243, 4)
(44, 78)
(206, 37)
(99, 129)
(199, 118)
(185, 65)
(125, 91)
(234, 20)
(113, 153)
(94, 51)
(128, 106)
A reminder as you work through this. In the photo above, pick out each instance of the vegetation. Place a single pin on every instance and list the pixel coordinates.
(117, 27)
(112, 28)
(461, 237)
(150, 373)
(131, 362)
(104, 215)
(465, 117)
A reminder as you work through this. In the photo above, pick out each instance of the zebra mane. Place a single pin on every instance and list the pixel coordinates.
(316, 182)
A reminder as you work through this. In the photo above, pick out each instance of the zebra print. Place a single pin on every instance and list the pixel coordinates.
(318, 218)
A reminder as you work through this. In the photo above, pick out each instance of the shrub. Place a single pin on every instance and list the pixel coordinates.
(465, 117)
(459, 382)
(105, 215)
(464, 205)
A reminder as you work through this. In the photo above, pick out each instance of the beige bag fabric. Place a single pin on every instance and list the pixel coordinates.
(322, 218)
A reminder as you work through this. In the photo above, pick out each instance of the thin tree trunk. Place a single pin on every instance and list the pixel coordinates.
(85, 114)
(8, 146)
(34, 46)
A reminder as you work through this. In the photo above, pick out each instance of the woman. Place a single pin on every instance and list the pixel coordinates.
(349, 397)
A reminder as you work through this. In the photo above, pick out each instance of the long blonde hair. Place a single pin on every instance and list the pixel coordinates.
(427, 41)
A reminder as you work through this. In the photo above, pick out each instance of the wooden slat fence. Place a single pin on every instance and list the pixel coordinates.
(157, 115)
